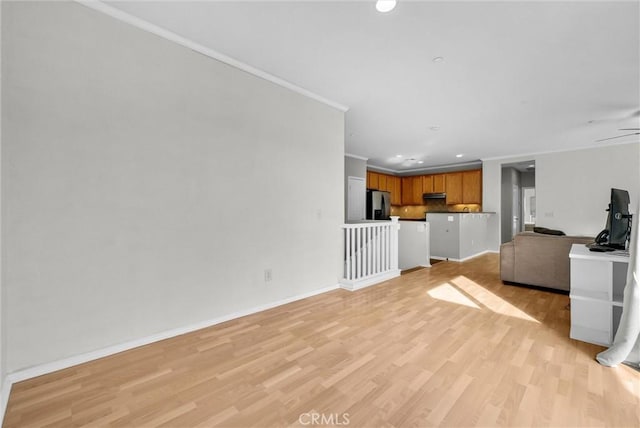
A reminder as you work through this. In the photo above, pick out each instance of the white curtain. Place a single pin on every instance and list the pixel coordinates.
(627, 341)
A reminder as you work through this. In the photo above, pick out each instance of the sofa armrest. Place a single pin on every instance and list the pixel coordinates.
(507, 262)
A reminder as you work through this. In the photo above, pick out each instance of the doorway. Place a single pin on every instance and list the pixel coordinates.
(517, 212)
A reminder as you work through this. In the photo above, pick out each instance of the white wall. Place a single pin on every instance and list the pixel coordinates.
(3, 373)
(575, 201)
(147, 187)
(572, 187)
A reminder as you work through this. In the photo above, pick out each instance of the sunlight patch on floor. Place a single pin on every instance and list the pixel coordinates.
(490, 300)
(450, 294)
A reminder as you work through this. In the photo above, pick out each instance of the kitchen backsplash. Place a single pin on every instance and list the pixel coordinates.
(434, 205)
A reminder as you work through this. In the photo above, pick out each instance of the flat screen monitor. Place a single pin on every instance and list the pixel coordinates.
(618, 220)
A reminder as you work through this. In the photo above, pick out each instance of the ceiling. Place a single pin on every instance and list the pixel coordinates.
(515, 77)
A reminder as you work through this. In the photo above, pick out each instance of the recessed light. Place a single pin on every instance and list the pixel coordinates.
(385, 5)
(434, 128)
(420, 161)
(459, 155)
(531, 166)
(438, 59)
(398, 156)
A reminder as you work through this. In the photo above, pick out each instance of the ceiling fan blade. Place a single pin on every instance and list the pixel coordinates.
(619, 136)
(629, 129)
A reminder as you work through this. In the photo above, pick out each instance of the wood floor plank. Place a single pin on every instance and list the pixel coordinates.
(445, 346)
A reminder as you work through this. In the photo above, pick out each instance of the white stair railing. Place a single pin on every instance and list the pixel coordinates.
(371, 253)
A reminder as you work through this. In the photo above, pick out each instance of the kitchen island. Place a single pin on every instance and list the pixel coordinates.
(459, 236)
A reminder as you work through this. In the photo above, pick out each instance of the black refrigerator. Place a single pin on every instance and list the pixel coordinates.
(378, 205)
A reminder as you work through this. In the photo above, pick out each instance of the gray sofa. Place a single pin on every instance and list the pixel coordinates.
(538, 259)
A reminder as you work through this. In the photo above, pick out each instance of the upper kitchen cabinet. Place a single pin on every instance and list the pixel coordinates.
(453, 187)
(396, 189)
(386, 183)
(427, 183)
(417, 190)
(433, 183)
(439, 183)
(407, 190)
(412, 190)
(382, 183)
(464, 187)
(472, 187)
(372, 180)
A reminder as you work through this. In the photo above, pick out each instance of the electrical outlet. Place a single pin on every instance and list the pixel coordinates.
(267, 275)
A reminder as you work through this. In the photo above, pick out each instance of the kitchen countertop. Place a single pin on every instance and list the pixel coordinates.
(446, 212)
(461, 212)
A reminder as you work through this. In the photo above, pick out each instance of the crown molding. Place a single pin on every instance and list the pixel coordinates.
(99, 6)
(437, 169)
(452, 167)
(550, 152)
(381, 169)
(349, 155)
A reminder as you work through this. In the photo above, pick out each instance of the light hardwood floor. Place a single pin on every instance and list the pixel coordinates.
(445, 346)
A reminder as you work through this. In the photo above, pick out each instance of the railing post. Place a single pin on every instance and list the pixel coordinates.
(347, 246)
(395, 226)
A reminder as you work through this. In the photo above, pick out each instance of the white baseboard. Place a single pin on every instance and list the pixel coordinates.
(64, 363)
(464, 259)
(360, 284)
(473, 256)
(4, 397)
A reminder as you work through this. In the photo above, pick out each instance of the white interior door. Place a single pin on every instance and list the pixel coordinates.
(356, 198)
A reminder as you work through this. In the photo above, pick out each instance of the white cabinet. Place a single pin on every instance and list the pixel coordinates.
(597, 285)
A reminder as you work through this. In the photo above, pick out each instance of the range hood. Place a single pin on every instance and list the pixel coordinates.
(434, 195)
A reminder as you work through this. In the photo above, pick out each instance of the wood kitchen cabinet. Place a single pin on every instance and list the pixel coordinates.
(472, 187)
(407, 190)
(464, 187)
(427, 183)
(386, 183)
(412, 190)
(382, 182)
(453, 187)
(396, 189)
(433, 183)
(372, 180)
(417, 190)
(438, 183)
